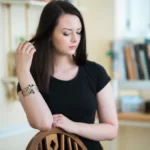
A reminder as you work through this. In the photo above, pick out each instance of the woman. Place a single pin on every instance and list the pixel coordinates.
(58, 86)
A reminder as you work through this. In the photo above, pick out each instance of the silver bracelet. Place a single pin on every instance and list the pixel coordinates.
(30, 89)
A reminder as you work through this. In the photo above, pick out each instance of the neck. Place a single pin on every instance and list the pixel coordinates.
(62, 63)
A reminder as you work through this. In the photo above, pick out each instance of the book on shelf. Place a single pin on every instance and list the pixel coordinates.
(131, 61)
(118, 59)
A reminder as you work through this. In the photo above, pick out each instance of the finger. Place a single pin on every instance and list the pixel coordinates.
(55, 115)
(29, 48)
(54, 125)
(57, 118)
(59, 115)
(25, 47)
(21, 45)
(32, 51)
(58, 124)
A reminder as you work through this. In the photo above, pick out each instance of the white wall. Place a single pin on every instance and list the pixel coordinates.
(14, 128)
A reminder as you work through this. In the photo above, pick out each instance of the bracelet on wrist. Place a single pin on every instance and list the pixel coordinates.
(30, 89)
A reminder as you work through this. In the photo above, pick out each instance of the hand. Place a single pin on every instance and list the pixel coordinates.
(24, 56)
(64, 123)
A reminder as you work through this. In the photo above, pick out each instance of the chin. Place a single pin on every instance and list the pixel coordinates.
(71, 53)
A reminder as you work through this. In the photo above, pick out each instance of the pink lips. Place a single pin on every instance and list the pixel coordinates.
(72, 47)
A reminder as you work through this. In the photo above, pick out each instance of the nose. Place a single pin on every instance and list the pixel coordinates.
(74, 38)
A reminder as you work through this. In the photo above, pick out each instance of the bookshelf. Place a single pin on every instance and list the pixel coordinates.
(135, 116)
(137, 84)
(131, 63)
(134, 119)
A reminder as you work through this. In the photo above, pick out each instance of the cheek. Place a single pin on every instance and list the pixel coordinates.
(60, 41)
(79, 39)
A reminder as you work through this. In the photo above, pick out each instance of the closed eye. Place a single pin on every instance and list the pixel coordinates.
(66, 34)
(78, 32)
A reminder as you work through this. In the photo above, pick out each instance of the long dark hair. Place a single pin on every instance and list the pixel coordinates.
(42, 65)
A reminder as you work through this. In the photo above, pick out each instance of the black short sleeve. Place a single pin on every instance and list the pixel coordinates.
(96, 75)
(102, 77)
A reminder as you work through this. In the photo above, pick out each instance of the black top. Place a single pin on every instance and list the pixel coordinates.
(76, 98)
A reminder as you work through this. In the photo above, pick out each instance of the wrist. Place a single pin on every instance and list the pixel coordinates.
(23, 75)
(77, 128)
(23, 72)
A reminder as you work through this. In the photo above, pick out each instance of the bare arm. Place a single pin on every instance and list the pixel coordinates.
(36, 109)
(107, 129)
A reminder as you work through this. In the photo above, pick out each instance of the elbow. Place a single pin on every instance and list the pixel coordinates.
(44, 126)
(113, 136)
(114, 133)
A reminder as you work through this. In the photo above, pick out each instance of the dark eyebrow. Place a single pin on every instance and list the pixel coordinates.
(70, 29)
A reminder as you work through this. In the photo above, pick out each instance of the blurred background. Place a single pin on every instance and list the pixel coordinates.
(118, 37)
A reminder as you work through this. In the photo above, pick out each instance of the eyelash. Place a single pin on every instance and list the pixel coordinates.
(65, 34)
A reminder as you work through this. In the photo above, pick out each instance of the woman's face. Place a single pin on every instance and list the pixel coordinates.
(67, 34)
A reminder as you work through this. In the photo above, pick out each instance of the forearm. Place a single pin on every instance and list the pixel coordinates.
(35, 107)
(97, 132)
